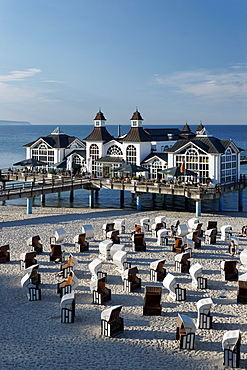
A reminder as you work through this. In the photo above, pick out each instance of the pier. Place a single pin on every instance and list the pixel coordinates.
(30, 185)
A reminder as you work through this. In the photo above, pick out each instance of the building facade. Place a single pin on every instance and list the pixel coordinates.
(100, 154)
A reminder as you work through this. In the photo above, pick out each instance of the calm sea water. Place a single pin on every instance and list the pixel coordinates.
(11, 150)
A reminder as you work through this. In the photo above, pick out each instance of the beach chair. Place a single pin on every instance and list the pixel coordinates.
(130, 281)
(175, 292)
(114, 236)
(120, 260)
(4, 253)
(67, 285)
(198, 281)
(212, 225)
(178, 245)
(226, 232)
(95, 267)
(210, 236)
(115, 248)
(155, 227)
(160, 219)
(35, 244)
(58, 237)
(231, 346)
(138, 242)
(185, 333)
(27, 259)
(104, 249)
(157, 270)
(242, 289)
(162, 237)
(204, 318)
(111, 323)
(243, 257)
(145, 222)
(182, 263)
(152, 300)
(195, 225)
(67, 305)
(182, 230)
(81, 245)
(33, 274)
(119, 224)
(109, 226)
(57, 253)
(65, 268)
(32, 291)
(88, 230)
(193, 236)
(101, 294)
(229, 270)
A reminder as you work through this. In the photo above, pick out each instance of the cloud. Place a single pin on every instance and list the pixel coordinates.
(19, 75)
(224, 86)
(21, 93)
(54, 81)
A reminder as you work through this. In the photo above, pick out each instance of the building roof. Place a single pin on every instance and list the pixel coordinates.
(110, 159)
(136, 135)
(57, 139)
(80, 152)
(161, 134)
(136, 116)
(99, 134)
(209, 144)
(99, 116)
(163, 156)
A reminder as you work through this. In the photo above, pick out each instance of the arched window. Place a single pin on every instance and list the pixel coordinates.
(94, 154)
(76, 159)
(228, 166)
(43, 153)
(196, 161)
(131, 154)
(114, 150)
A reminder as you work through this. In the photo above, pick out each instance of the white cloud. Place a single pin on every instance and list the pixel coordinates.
(12, 93)
(224, 86)
(19, 75)
(54, 81)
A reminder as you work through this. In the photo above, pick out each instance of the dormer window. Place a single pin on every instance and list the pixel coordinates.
(97, 123)
(170, 136)
(134, 123)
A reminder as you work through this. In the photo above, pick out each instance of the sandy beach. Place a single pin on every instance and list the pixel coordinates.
(33, 336)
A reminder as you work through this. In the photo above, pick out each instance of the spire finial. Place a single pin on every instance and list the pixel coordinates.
(136, 109)
(100, 109)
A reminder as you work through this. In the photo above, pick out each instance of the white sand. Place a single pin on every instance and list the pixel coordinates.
(33, 337)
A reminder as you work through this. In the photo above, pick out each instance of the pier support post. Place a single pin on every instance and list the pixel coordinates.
(121, 198)
(198, 208)
(91, 199)
(71, 196)
(221, 204)
(240, 200)
(29, 206)
(164, 201)
(138, 202)
(96, 195)
(186, 203)
(42, 198)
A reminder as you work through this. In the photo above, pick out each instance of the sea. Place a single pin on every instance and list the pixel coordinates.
(13, 137)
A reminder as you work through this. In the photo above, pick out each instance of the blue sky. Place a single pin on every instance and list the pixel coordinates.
(176, 60)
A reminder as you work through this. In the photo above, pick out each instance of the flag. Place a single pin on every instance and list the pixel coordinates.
(182, 168)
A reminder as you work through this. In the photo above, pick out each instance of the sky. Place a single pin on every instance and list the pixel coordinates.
(176, 61)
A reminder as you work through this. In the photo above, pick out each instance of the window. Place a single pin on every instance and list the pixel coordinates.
(154, 167)
(43, 154)
(114, 150)
(228, 166)
(131, 154)
(196, 161)
(94, 154)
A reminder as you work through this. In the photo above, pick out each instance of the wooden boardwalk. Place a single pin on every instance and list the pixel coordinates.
(34, 185)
